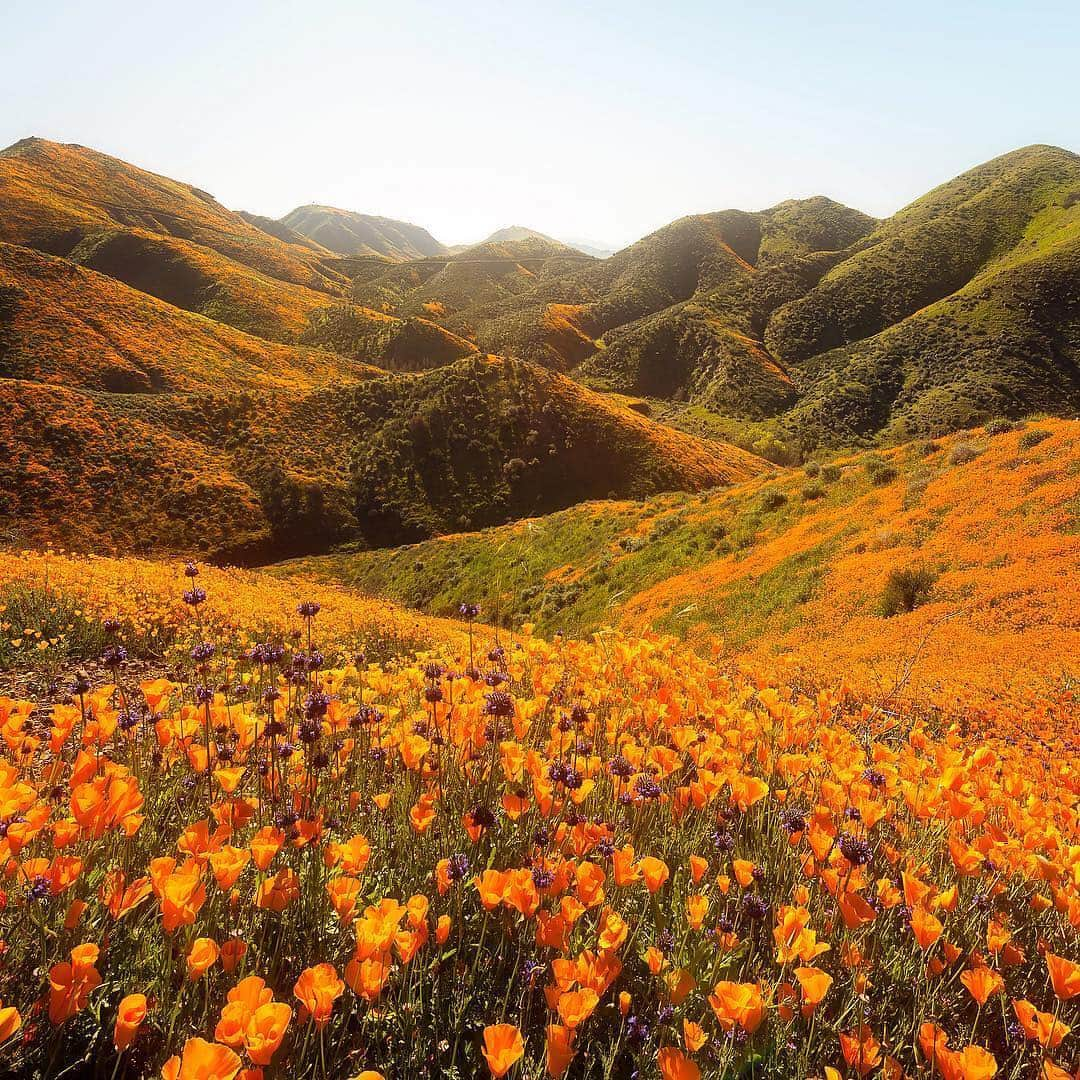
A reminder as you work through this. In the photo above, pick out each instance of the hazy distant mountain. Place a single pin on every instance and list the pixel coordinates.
(349, 233)
(591, 247)
(514, 233)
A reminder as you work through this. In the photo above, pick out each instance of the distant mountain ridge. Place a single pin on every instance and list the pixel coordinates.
(349, 233)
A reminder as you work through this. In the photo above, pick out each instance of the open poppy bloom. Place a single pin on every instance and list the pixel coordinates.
(503, 1048)
(675, 1065)
(72, 982)
(265, 1030)
(861, 1050)
(654, 871)
(982, 983)
(201, 957)
(559, 1049)
(202, 1060)
(1064, 976)
(576, 1006)
(738, 1005)
(317, 989)
(1045, 1027)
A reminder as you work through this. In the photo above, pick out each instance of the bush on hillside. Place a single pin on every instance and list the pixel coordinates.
(906, 589)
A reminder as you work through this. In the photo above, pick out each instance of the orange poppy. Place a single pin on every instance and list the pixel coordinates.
(265, 1031)
(201, 957)
(1064, 976)
(558, 1049)
(576, 1006)
(738, 1005)
(1044, 1027)
(982, 983)
(675, 1065)
(317, 989)
(129, 1016)
(693, 1035)
(10, 1022)
(861, 1050)
(503, 1048)
(72, 982)
(655, 872)
(200, 1060)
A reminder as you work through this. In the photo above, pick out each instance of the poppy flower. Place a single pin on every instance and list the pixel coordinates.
(675, 1065)
(278, 892)
(693, 1035)
(202, 1060)
(366, 978)
(503, 1048)
(1064, 976)
(232, 952)
(926, 928)
(129, 1016)
(10, 1022)
(317, 989)
(814, 984)
(72, 982)
(982, 983)
(861, 1050)
(265, 1031)
(559, 1051)
(654, 871)
(576, 1006)
(738, 1005)
(201, 957)
(1045, 1027)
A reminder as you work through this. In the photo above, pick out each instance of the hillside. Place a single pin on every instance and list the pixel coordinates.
(385, 459)
(162, 237)
(349, 233)
(809, 571)
(964, 305)
(828, 327)
(679, 312)
(63, 324)
(454, 290)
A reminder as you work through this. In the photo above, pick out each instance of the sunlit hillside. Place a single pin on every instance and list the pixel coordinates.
(374, 458)
(938, 571)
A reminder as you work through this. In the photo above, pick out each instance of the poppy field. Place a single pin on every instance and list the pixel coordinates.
(497, 854)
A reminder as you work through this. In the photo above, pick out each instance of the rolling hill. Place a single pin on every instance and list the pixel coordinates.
(931, 570)
(64, 324)
(380, 459)
(162, 237)
(829, 327)
(349, 233)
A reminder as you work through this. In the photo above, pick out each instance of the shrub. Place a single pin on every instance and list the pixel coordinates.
(830, 473)
(810, 492)
(962, 453)
(812, 468)
(905, 590)
(999, 426)
(773, 500)
(879, 471)
(1033, 437)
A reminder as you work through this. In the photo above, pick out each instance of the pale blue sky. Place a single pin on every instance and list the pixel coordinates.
(601, 120)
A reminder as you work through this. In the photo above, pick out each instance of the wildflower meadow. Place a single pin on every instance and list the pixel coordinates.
(488, 853)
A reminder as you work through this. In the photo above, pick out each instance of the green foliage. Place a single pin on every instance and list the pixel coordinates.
(1032, 437)
(906, 589)
(879, 471)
